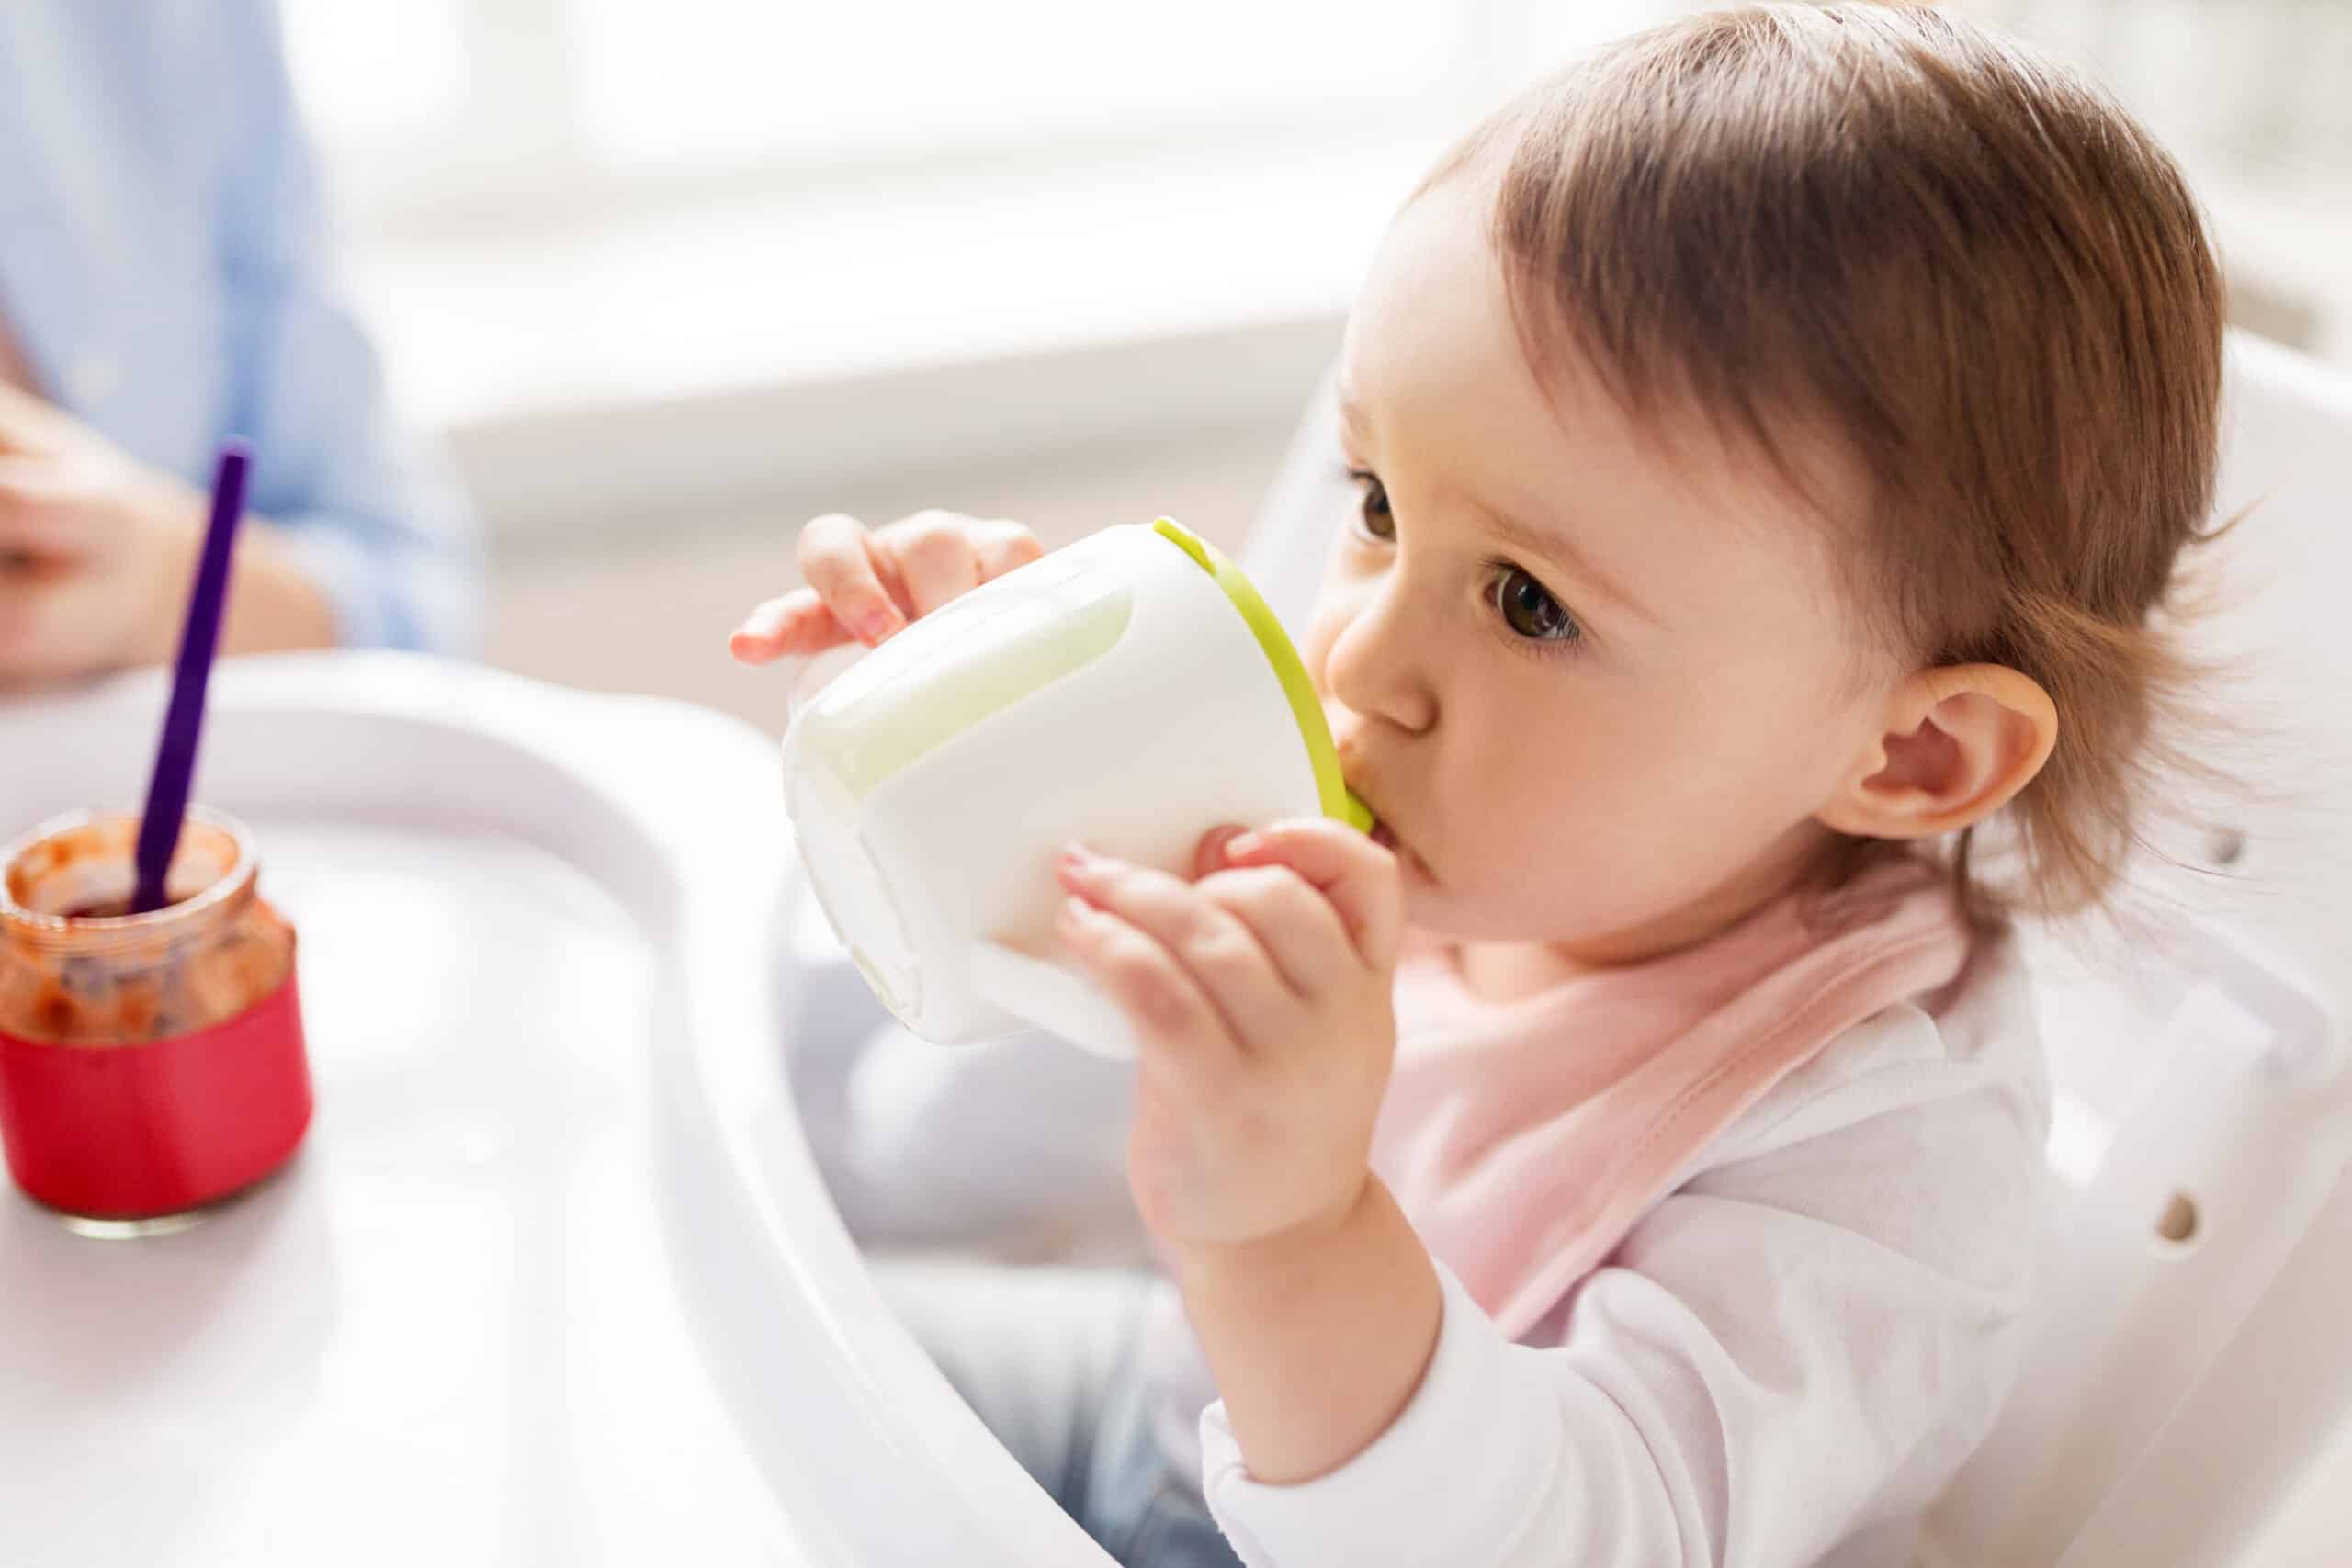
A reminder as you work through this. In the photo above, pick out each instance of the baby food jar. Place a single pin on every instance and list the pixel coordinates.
(150, 1065)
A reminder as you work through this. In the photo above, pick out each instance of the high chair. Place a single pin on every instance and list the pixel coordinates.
(2186, 1400)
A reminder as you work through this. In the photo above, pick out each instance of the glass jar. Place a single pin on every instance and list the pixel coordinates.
(150, 1065)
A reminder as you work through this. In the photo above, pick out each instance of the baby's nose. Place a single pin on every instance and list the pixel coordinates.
(1374, 675)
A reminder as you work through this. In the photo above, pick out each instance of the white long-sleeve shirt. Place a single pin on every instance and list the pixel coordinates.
(1782, 1363)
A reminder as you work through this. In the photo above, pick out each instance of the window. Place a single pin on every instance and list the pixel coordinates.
(439, 109)
(856, 188)
(2254, 88)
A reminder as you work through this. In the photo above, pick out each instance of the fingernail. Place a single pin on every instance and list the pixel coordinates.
(1242, 845)
(1074, 857)
(877, 625)
(1073, 915)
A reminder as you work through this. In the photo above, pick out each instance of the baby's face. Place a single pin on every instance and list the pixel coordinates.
(1595, 684)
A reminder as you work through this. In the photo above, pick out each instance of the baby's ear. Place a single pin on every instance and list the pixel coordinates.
(1957, 744)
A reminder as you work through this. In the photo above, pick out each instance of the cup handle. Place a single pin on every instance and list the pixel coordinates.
(1052, 997)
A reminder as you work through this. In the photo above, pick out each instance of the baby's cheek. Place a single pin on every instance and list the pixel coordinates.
(1595, 809)
(1528, 825)
(1314, 646)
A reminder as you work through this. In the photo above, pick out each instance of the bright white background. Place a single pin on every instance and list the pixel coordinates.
(670, 277)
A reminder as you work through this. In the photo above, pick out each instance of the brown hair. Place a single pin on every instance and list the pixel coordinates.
(1966, 264)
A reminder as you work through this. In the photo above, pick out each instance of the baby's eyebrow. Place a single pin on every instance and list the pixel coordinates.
(1351, 419)
(1548, 544)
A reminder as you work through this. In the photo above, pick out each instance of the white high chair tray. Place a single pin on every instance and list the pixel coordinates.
(451, 1331)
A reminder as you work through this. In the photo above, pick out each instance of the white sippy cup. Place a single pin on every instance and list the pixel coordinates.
(1131, 692)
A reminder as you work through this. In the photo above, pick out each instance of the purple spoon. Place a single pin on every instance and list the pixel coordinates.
(159, 825)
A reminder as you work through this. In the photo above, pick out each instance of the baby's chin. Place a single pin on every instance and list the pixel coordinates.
(1429, 911)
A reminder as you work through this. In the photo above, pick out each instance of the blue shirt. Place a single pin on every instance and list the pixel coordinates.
(164, 275)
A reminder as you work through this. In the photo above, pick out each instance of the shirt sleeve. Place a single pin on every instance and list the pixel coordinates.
(1790, 1345)
(375, 517)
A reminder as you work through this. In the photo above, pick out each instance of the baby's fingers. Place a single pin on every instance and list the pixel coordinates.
(796, 625)
(935, 557)
(1357, 875)
(1214, 951)
(942, 555)
(1166, 1006)
(1303, 935)
(1001, 547)
(839, 562)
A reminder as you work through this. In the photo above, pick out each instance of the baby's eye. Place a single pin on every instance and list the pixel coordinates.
(1529, 609)
(1379, 523)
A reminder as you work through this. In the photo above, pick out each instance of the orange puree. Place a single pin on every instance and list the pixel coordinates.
(76, 970)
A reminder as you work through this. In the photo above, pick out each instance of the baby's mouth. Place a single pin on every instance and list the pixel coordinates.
(1382, 833)
(1385, 837)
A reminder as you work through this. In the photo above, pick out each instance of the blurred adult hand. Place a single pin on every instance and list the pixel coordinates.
(98, 550)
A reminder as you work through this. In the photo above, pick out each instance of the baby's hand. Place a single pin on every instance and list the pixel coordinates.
(862, 587)
(1260, 1000)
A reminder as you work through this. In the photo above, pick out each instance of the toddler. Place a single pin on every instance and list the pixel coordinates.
(1773, 439)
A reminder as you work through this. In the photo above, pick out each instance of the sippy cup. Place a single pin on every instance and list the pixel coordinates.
(1131, 690)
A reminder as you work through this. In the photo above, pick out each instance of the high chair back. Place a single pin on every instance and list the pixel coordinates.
(2189, 1388)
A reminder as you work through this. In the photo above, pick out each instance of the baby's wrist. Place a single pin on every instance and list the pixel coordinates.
(1293, 1248)
(1317, 1336)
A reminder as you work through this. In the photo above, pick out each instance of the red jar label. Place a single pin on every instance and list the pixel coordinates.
(137, 1131)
